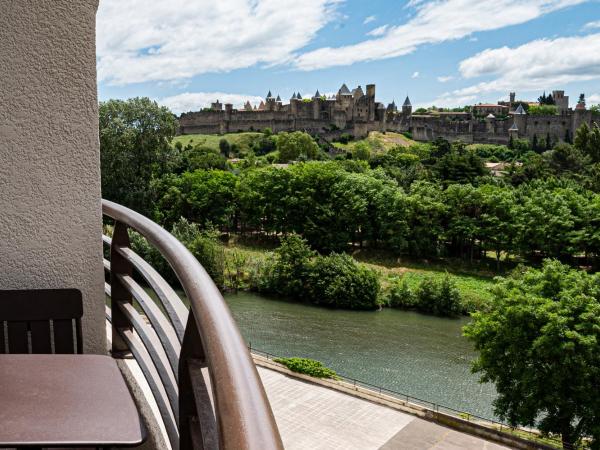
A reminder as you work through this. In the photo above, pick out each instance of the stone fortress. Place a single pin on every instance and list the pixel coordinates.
(357, 113)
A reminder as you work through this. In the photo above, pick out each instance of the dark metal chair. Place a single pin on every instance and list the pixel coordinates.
(41, 321)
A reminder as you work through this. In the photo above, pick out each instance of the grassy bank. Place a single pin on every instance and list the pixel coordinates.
(378, 142)
(474, 284)
(242, 140)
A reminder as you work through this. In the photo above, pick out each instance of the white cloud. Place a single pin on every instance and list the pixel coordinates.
(379, 31)
(415, 75)
(369, 19)
(593, 99)
(539, 64)
(153, 40)
(592, 25)
(435, 21)
(194, 101)
(445, 79)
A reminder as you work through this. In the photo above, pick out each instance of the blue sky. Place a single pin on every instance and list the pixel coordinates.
(444, 52)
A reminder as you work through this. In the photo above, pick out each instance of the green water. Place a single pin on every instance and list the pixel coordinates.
(412, 353)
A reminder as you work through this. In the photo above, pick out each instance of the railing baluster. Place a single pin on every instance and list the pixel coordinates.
(119, 293)
(195, 407)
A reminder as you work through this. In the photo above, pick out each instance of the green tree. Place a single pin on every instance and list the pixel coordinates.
(461, 165)
(292, 145)
(498, 230)
(539, 343)
(135, 137)
(542, 110)
(224, 147)
(205, 197)
(587, 140)
(361, 151)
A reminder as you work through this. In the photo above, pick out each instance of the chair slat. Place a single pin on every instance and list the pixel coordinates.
(2, 340)
(17, 337)
(63, 337)
(40, 337)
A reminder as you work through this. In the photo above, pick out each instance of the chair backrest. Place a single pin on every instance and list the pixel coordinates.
(41, 321)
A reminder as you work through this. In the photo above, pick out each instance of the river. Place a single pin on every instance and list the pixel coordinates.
(415, 354)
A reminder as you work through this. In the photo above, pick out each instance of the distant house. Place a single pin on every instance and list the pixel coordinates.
(499, 169)
(485, 109)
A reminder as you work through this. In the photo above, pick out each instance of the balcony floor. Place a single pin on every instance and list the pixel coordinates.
(315, 417)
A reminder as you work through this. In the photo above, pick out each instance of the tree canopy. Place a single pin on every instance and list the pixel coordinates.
(540, 345)
(135, 137)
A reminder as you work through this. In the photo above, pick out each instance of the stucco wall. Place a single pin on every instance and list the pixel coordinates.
(50, 216)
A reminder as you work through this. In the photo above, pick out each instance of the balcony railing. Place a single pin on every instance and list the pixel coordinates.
(196, 363)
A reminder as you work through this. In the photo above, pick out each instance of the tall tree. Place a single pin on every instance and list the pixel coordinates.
(539, 343)
(135, 137)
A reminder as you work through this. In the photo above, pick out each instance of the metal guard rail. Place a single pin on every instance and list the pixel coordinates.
(229, 411)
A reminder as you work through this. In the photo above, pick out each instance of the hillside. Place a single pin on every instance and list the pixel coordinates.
(379, 142)
(242, 140)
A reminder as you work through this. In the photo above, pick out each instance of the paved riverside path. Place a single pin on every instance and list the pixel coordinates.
(313, 417)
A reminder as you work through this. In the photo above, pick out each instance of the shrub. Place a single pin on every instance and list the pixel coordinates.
(224, 147)
(203, 244)
(432, 296)
(297, 272)
(345, 138)
(400, 295)
(338, 280)
(542, 110)
(308, 367)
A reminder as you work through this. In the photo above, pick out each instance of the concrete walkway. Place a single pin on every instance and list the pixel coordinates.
(312, 417)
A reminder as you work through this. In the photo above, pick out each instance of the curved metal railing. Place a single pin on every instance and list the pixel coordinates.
(196, 364)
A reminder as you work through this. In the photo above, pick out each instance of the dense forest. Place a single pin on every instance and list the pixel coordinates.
(424, 201)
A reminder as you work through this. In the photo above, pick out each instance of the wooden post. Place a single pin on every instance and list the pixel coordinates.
(119, 293)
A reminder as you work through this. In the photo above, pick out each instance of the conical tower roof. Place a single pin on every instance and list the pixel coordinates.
(299, 97)
(269, 95)
(344, 90)
(317, 95)
(278, 99)
(514, 127)
(520, 109)
(293, 96)
(407, 102)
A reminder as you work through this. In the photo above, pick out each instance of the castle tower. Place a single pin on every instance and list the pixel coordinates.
(490, 123)
(512, 97)
(513, 132)
(406, 107)
(371, 98)
(561, 101)
(520, 119)
(270, 103)
(216, 106)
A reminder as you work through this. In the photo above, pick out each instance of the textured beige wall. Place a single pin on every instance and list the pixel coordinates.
(50, 216)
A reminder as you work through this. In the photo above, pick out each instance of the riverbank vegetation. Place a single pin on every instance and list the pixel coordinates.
(308, 366)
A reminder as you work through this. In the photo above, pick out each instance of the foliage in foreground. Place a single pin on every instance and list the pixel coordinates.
(540, 344)
(308, 367)
(296, 272)
(203, 244)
